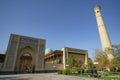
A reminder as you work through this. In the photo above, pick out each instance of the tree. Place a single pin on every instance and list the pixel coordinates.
(101, 58)
(79, 62)
(116, 60)
(90, 63)
(109, 59)
(72, 61)
(116, 49)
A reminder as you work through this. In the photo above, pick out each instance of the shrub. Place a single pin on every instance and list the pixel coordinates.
(77, 70)
(60, 72)
(66, 71)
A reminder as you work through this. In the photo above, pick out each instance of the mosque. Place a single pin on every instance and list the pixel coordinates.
(28, 55)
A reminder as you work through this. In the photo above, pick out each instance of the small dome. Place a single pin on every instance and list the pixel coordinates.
(48, 50)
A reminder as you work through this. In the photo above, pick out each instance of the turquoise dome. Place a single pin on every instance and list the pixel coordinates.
(48, 50)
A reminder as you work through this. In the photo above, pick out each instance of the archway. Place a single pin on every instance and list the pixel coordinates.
(25, 64)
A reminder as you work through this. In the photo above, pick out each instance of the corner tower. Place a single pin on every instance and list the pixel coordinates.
(105, 41)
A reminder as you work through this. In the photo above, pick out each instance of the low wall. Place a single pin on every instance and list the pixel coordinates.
(49, 66)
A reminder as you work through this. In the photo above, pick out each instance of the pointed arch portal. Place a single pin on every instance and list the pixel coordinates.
(26, 60)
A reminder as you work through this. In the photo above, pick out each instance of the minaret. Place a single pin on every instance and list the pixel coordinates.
(105, 41)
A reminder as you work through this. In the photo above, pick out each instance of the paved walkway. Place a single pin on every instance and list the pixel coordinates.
(42, 76)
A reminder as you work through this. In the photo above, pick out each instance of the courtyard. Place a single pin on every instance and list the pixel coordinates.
(42, 76)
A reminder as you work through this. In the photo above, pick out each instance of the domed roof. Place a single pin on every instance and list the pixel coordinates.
(48, 50)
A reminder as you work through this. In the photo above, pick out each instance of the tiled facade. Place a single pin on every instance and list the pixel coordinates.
(19, 49)
(27, 54)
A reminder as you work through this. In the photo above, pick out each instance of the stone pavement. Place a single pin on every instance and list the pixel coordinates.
(42, 76)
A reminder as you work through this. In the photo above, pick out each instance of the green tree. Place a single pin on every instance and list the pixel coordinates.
(79, 62)
(116, 60)
(101, 58)
(90, 63)
(72, 61)
(116, 49)
(108, 62)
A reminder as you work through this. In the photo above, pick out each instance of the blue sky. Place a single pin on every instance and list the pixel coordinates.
(62, 23)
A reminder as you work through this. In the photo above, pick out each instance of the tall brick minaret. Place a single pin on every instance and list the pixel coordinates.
(105, 40)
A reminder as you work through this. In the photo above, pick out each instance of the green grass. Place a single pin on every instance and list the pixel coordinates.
(114, 74)
(109, 78)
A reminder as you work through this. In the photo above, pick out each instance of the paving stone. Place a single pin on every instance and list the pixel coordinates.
(42, 76)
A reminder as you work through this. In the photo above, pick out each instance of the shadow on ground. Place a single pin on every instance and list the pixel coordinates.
(13, 78)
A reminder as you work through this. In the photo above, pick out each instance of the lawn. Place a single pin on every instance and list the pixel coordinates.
(109, 77)
(99, 75)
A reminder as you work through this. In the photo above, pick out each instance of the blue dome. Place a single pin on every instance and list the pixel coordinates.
(48, 50)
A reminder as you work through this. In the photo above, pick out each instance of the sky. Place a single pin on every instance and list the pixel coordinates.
(63, 23)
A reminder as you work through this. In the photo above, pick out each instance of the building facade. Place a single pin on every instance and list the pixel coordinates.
(24, 54)
(58, 59)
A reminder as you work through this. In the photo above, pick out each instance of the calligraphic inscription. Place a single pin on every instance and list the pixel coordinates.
(29, 40)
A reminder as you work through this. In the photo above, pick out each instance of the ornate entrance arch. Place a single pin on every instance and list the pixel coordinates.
(26, 60)
(25, 65)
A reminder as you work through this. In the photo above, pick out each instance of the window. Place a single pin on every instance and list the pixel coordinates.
(97, 11)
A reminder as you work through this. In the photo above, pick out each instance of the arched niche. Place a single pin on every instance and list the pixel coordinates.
(25, 60)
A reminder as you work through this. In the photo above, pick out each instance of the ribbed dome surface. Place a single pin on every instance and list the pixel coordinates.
(48, 50)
